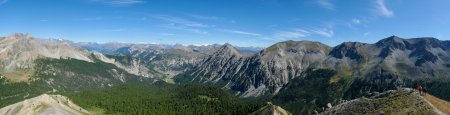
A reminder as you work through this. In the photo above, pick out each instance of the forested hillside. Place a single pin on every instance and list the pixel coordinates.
(162, 98)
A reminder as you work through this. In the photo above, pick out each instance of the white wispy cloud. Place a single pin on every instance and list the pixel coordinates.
(325, 4)
(299, 33)
(295, 33)
(203, 17)
(181, 21)
(91, 19)
(356, 21)
(167, 34)
(196, 31)
(3, 2)
(119, 2)
(212, 18)
(240, 32)
(381, 9)
(43, 20)
(324, 32)
(125, 2)
(115, 30)
(185, 28)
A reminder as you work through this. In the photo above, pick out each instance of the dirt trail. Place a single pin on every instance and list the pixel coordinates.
(440, 106)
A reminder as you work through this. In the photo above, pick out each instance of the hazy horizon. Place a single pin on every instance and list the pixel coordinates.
(258, 23)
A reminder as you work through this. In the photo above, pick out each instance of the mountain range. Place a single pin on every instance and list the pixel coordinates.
(292, 74)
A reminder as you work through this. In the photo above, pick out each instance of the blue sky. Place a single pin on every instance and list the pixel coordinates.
(239, 22)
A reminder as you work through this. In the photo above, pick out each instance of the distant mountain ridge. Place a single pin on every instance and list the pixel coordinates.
(168, 60)
(351, 70)
(263, 73)
(112, 48)
(426, 57)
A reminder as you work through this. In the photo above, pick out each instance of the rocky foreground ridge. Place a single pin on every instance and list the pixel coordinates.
(402, 101)
(44, 105)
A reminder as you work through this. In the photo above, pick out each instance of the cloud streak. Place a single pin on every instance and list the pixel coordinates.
(3, 2)
(115, 30)
(181, 21)
(299, 33)
(382, 10)
(184, 28)
(356, 21)
(324, 32)
(119, 2)
(326, 4)
(240, 32)
(295, 33)
(91, 19)
(203, 17)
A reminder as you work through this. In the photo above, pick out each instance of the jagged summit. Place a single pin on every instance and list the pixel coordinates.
(263, 73)
(21, 36)
(393, 42)
(347, 49)
(227, 49)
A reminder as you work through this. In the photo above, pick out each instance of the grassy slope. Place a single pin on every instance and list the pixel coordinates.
(395, 103)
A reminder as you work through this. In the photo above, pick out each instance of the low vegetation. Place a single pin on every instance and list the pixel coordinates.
(395, 102)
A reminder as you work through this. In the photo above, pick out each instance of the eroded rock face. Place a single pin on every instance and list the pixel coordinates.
(388, 64)
(166, 60)
(348, 49)
(19, 51)
(261, 74)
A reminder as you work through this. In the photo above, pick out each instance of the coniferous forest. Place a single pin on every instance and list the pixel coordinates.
(161, 98)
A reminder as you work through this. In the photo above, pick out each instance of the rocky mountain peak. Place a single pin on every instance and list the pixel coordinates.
(19, 51)
(394, 42)
(296, 46)
(428, 43)
(21, 36)
(347, 49)
(227, 49)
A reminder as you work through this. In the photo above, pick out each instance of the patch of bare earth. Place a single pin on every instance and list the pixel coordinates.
(440, 104)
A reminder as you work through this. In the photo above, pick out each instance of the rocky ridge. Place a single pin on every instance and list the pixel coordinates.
(391, 63)
(402, 101)
(44, 104)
